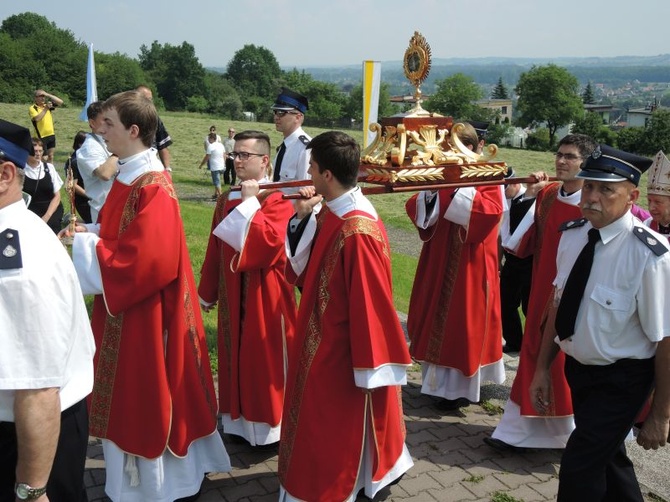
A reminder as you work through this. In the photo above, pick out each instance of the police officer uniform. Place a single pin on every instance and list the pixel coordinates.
(619, 322)
(292, 160)
(45, 336)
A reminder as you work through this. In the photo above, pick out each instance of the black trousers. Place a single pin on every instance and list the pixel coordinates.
(229, 174)
(66, 481)
(515, 279)
(606, 400)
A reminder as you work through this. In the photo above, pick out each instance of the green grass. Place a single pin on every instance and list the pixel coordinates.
(491, 408)
(475, 478)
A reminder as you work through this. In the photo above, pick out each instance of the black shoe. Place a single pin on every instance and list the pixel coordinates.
(500, 445)
(508, 349)
(452, 404)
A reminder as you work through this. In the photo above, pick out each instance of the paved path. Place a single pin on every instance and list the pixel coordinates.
(451, 462)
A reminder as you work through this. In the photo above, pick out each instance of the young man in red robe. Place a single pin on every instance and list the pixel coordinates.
(343, 428)
(153, 402)
(538, 235)
(454, 319)
(244, 272)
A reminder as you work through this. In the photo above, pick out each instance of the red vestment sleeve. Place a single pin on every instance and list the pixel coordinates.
(137, 266)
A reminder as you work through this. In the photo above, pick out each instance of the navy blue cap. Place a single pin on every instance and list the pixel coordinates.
(609, 164)
(15, 143)
(290, 100)
(481, 128)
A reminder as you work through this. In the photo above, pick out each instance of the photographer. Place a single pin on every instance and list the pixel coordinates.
(40, 114)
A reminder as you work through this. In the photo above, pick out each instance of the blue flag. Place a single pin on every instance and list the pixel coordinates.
(91, 84)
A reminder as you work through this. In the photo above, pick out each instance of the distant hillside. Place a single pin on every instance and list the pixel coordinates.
(612, 71)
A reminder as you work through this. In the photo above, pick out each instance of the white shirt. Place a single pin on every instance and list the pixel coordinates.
(37, 173)
(512, 241)
(295, 162)
(217, 140)
(623, 314)
(45, 334)
(91, 155)
(459, 210)
(215, 151)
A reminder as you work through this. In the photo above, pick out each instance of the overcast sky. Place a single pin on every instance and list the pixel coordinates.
(340, 32)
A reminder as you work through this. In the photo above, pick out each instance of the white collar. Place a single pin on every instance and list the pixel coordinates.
(349, 201)
(136, 165)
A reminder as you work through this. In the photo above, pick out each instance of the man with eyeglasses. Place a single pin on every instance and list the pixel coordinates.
(42, 119)
(229, 145)
(292, 160)
(538, 234)
(244, 272)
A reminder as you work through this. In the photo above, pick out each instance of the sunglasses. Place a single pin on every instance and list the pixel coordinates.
(281, 113)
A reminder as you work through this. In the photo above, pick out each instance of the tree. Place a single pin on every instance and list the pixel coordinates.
(176, 71)
(588, 98)
(657, 133)
(60, 56)
(116, 72)
(19, 71)
(630, 139)
(354, 108)
(255, 73)
(548, 95)
(589, 124)
(222, 97)
(497, 133)
(456, 96)
(327, 103)
(500, 91)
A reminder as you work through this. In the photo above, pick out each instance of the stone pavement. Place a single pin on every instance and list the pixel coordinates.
(451, 462)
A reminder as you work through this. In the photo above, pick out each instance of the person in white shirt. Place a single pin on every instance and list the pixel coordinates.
(97, 166)
(610, 319)
(215, 160)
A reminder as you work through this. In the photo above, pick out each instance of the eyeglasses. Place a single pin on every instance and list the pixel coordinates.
(567, 156)
(243, 155)
(281, 113)
(231, 131)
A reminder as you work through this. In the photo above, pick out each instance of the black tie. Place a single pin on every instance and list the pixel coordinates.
(280, 156)
(574, 288)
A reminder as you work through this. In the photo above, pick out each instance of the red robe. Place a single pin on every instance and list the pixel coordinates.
(256, 306)
(541, 241)
(346, 321)
(454, 311)
(153, 385)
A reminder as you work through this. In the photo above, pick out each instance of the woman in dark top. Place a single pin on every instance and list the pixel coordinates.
(43, 184)
(80, 197)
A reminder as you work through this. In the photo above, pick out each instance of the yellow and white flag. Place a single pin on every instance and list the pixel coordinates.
(371, 81)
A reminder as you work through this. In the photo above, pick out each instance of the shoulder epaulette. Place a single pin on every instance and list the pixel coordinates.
(650, 240)
(304, 139)
(567, 225)
(10, 250)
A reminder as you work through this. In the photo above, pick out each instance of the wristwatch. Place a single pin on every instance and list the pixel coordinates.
(26, 492)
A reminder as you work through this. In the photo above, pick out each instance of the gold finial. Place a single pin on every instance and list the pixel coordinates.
(416, 64)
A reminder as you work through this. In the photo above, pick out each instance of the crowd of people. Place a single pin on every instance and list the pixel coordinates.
(321, 378)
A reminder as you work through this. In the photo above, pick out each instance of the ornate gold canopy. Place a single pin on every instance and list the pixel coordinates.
(420, 146)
